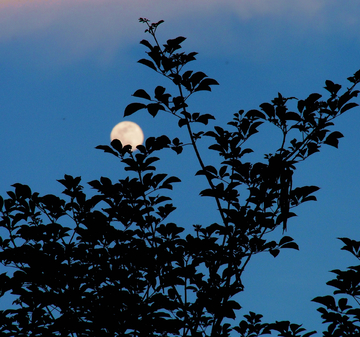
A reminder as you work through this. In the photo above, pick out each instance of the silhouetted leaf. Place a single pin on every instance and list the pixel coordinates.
(108, 149)
(356, 78)
(253, 128)
(132, 108)
(182, 122)
(292, 116)
(327, 301)
(333, 138)
(173, 44)
(205, 84)
(141, 93)
(285, 239)
(204, 119)
(148, 63)
(274, 252)
(117, 145)
(312, 98)
(22, 191)
(268, 109)
(146, 43)
(153, 108)
(196, 78)
(312, 147)
(159, 91)
(292, 245)
(331, 87)
(255, 114)
(348, 106)
(171, 180)
(177, 149)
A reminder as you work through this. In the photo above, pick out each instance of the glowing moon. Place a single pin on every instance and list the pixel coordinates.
(129, 133)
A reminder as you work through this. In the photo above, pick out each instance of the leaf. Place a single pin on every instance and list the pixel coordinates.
(292, 116)
(173, 44)
(196, 78)
(292, 245)
(186, 75)
(204, 119)
(343, 304)
(283, 217)
(211, 169)
(308, 334)
(327, 301)
(348, 106)
(146, 43)
(141, 93)
(159, 91)
(177, 40)
(255, 114)
(332, 87)
(179, 103)
(108, 149)
(116, 144)
(313, 98)
(149, 161)
(355, 78)
(182, 122)
(268, 109)
(333, 138)
(312, 148)
(246, 151)
(346, 97)
(285, 239)
(162, 142)
(148, 63)
(153, 108)
(274, 252)
(302, 194)
(132, 108)
(222, 171)
(253, 128)
(22, 191)
(351, 246)
(301, 105)
(205, 84)
(162, 199)
(68, 182)
(177, 149)
(229, 307)
(208, 192)
(172, 180)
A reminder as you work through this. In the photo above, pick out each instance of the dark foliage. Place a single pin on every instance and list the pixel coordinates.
(112, 265)
(342, 317)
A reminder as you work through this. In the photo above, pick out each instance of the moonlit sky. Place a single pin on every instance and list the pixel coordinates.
(68, 69)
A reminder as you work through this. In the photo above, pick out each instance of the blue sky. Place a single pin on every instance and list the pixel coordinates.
(68, 69)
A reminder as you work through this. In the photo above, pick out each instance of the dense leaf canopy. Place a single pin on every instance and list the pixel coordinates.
(112, 265)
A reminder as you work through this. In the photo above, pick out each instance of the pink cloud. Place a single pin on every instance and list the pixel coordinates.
(73, 28)
(118, 17)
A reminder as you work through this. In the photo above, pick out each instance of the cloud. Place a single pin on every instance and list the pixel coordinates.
(64, 30)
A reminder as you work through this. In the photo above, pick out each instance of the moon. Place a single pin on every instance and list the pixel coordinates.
(129, 133)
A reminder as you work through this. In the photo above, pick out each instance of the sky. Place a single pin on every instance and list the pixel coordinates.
(68, 69)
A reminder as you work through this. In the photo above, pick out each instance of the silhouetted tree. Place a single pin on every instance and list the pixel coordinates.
(116, 267)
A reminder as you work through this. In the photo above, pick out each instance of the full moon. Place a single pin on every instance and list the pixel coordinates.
(129, 133)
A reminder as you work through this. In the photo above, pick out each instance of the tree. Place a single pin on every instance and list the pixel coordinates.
(116, 266)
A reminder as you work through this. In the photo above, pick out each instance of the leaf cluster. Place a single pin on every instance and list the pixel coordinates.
(342, 317)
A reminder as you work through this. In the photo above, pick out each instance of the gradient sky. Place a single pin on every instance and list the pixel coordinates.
(68, 69)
